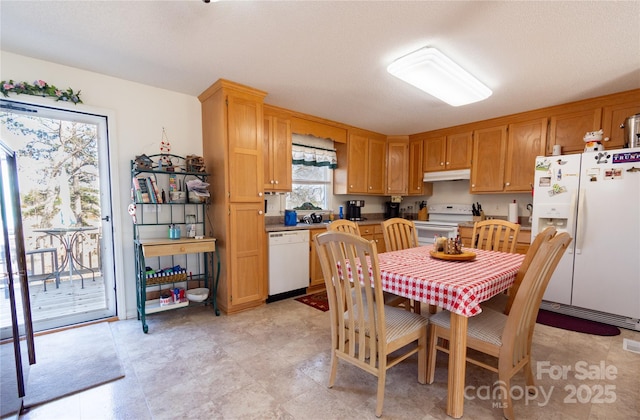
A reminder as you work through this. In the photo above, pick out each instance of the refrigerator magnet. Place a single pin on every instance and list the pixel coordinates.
(592, 174)
(613, 173)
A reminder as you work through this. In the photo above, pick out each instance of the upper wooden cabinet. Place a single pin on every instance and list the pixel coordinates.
(612, 117)
(416, 185)
(449, 152)
(526, 141)
(276, 150)
(361, 164)
(504, 156)
(245, 139)
(489, 155)
(568, 129)
(397, 168)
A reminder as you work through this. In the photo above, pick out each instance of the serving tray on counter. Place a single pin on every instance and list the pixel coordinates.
(465, 256)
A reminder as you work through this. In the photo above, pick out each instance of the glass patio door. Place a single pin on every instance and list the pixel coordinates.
(63, 174)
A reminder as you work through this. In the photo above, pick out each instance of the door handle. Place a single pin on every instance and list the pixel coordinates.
(105, 218)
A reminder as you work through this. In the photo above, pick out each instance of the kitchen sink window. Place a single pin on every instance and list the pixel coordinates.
(313, 161)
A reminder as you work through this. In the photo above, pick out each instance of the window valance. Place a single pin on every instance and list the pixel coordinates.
(312, 155)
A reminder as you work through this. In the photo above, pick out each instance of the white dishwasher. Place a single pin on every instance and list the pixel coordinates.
(288, 263)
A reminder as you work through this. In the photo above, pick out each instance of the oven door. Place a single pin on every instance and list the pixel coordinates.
(427, 232)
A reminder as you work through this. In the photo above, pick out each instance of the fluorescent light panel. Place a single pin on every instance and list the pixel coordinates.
(435, 73)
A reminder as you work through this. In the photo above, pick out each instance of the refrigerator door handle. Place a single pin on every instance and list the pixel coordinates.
(571, 227)
(579, 238)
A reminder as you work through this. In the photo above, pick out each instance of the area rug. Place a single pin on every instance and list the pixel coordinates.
(71, 361)
(571, 323)
(316, 300)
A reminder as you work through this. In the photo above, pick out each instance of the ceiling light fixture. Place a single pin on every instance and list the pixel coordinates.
(435, 73)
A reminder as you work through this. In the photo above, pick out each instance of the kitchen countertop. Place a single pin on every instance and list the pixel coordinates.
(278, 227)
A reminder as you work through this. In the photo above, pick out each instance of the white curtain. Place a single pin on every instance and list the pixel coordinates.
(313, 151)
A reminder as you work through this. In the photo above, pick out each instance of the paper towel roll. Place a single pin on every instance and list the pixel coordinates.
(513, 213)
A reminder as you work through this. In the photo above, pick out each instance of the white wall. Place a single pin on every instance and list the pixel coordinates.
(140, 112)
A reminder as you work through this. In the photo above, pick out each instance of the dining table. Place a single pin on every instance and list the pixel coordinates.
(459, 286)
(69, 237)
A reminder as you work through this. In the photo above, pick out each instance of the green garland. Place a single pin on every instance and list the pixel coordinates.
(40, 88)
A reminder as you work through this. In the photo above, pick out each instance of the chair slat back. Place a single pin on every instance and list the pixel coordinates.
(399, 234)
(542, 237)
(344, 225)
(495, 235)
(356, 307)
(518, 330)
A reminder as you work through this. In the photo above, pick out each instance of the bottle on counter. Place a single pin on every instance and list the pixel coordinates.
(341, 214)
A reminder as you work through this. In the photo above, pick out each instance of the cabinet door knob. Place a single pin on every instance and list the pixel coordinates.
(441, 163)
(271, 182)
(418, 188)
(448, 163)
(260, 212)
(259, 194)
(276, 182)
(507, 184)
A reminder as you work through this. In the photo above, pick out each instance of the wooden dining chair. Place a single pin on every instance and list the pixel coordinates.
(349, 226)
(505, 337)
(344, 225)
(495, 235)
(364, 331)
(401, 234)
(503, 301)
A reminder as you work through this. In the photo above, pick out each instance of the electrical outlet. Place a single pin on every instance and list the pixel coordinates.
(271, 207)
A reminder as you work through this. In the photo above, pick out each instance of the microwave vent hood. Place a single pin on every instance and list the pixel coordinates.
(447, 175)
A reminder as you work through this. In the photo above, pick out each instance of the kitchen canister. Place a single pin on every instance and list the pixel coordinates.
(290, 218)
(632, 131)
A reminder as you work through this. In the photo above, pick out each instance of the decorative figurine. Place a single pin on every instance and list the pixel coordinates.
(593, 141)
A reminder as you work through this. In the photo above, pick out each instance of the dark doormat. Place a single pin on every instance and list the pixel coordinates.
(571, 323)
(316, 300)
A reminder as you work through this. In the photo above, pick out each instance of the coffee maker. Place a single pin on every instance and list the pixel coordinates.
(353, 209)
(391, 210)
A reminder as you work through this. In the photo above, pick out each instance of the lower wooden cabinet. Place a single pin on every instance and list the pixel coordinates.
(374, 232)
(316, 279)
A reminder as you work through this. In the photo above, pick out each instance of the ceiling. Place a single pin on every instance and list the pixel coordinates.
(329, 59)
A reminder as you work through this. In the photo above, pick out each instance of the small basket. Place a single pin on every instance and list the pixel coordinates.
(163, 278)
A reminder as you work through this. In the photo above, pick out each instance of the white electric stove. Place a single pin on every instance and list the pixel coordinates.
(443, 221)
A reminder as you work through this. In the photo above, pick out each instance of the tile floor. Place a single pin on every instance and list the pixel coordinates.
(273, 363)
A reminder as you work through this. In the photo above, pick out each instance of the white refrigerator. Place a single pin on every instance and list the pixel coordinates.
(595, 197)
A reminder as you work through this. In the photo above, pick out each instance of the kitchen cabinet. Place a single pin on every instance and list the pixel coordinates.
(449, 152)
(526, 140)
(504, 156)
(232, 129)
(374, 233)
(276, 150)
(361, 164)
(522, 243)
(489, 153)
(397, 168)
(316, 278)
(568, 129)
(612, 117)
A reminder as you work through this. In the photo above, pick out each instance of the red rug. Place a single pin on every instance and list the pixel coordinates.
(316, 300)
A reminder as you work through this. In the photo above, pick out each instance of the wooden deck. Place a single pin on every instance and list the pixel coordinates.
(68, 299)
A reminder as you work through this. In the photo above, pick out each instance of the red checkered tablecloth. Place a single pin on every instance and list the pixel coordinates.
(458, 286)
